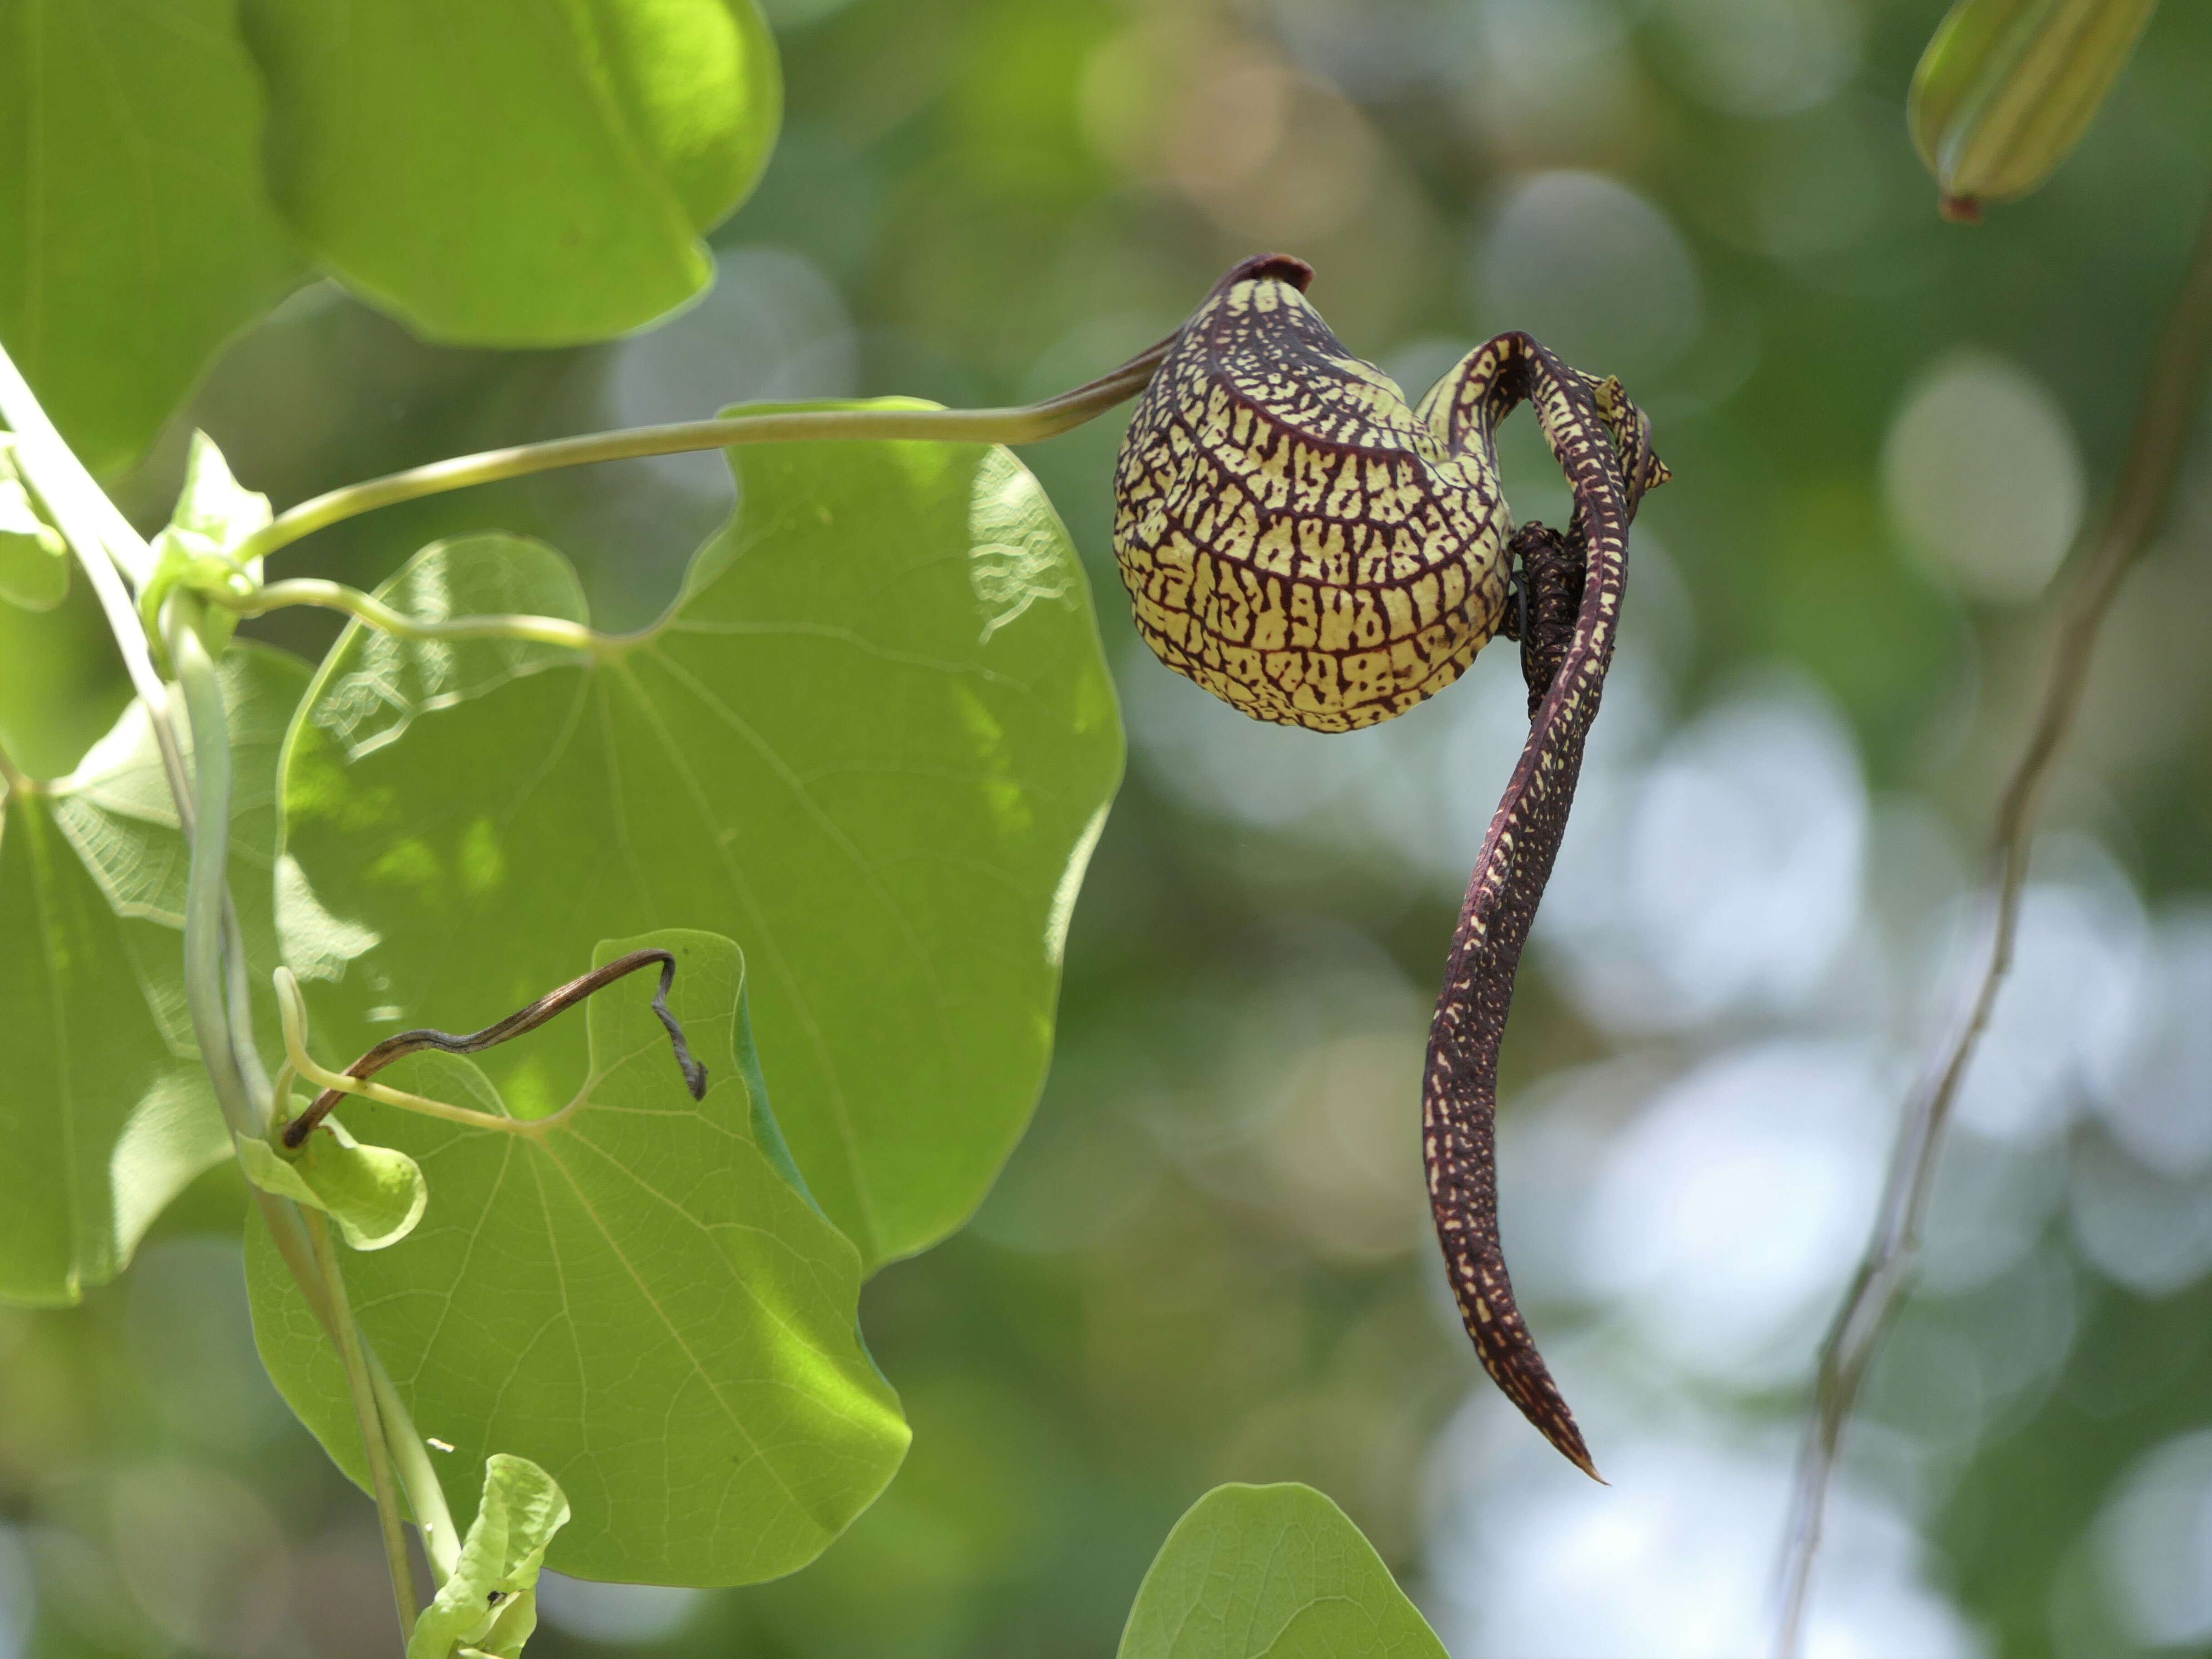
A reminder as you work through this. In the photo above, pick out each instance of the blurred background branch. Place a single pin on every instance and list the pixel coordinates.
(2163, 423)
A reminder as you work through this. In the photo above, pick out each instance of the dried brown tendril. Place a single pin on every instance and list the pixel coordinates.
(554, 1002)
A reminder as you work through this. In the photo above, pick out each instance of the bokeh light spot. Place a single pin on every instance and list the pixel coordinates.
(1983, 478)
(1595, 272)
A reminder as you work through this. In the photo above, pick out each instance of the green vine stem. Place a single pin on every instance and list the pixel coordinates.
(405, 1590)
(219, 1025)
(368, 608)
(207, 985)
(2163, 423)
(1029, 424)
(410, 1455)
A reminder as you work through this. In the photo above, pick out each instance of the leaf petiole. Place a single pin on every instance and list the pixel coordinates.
(1028, 424)
(366, 607)
(375, 1445)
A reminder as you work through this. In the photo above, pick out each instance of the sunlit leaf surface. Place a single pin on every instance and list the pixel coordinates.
(500, 173)
(872, 743)
(506, 174)
(1279, 1571)
(637, 1296)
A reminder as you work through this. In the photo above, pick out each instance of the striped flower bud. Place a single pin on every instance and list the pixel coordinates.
(2007, 88)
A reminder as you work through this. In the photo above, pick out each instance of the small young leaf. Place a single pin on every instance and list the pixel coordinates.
(636, 1293)
(139, 234)
(375, 1194)
(490, 1603)
(506, 174)
(213, 514)
(873, 742)
(1274, 1571)
(213, 508)
(105, 1114)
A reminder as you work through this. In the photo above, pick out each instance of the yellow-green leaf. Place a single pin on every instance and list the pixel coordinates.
(375, 1194)
(872, 742)
(1272, 1572)
(634, 1291)
(490, 1603)
(137, 232)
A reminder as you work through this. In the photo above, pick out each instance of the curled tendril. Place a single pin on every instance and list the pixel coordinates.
(553, 1003)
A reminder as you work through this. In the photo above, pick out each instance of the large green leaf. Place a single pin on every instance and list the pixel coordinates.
(515, 172)
(638, 1297)
(872, 743)
(1274, 1571)
(500, 172)
(136, 234)
(105, 1114)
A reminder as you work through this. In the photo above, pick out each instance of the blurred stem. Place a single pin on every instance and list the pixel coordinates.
(1878, 1289)
(1027, 424)
(405, 1591)
(426, 1496)
(410, 1458)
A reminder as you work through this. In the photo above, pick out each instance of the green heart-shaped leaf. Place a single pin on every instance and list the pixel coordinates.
(633, 1292)
(502, 173)
(872, 742)
(1272, 1572)
(139, 234)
